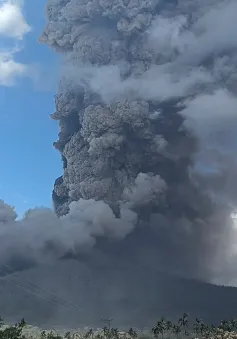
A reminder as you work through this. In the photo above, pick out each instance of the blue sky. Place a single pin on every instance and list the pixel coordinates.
(29, 163)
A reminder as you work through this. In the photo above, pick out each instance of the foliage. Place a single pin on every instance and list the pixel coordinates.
(12, 332)
(163, 329)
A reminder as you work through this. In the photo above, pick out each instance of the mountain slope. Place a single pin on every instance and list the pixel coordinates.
(101, 293)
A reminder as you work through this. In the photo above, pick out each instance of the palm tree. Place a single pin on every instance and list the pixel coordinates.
(225, 326)
(106, 331)
(176, 330)
(204, 330)
(197, 326)
(68, 335)
(233, 324)
(159, 328)
(132, 333)
(169, 325)
(213, 330)
(89, 334)
(22, 323)
(43, 335)
(114, 333)
(183, 323)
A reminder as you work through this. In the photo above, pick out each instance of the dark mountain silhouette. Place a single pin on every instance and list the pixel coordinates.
(70, 294)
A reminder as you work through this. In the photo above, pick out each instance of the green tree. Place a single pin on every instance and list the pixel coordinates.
(183, 323)
(68, 335)
(13, 332)
(89, 333)
(233, 324)
(176, 330)
(159, 328)
(132, 333)
(197, 326)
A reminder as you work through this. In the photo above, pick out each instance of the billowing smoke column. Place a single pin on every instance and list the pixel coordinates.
(147, 110)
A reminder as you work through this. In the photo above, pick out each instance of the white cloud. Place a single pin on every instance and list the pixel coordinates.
(10, 69)
(12, 21)
(14, 26)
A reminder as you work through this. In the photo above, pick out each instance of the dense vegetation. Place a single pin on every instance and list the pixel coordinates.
(163, 329)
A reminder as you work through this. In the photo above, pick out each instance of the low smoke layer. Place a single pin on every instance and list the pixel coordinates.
(147, 113)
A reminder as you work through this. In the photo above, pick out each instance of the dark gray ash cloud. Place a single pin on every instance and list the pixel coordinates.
(151, 89)
(147, 113)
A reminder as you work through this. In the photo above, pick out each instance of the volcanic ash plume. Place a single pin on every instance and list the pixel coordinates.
(147, 113)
